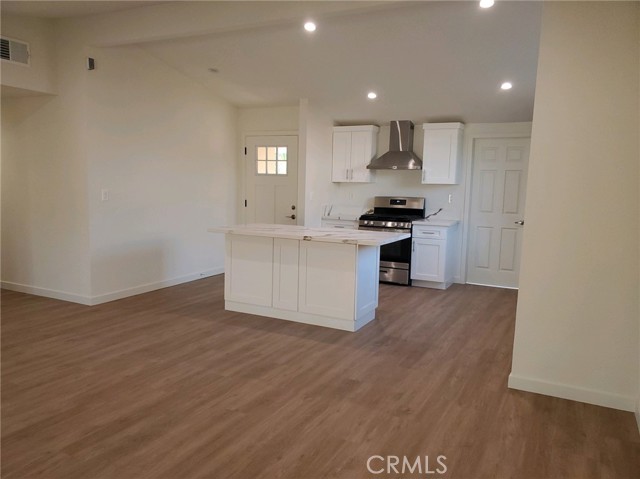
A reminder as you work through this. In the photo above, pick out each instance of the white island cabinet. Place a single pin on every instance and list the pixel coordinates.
(320, 276)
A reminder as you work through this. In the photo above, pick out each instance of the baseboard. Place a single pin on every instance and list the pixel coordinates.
(47, 293)
(573, 393)
(104, 298)
(492, 285)
(146, 288)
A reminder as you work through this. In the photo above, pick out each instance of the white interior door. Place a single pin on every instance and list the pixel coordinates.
(271, 179)
(498, 194)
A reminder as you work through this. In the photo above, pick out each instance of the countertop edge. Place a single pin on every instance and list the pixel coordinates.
(336, 236)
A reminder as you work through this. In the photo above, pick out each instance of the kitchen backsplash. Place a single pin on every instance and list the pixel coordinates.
(404, 183)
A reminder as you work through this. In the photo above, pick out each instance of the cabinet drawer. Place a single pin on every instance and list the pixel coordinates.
(343, 224)
(429, 232)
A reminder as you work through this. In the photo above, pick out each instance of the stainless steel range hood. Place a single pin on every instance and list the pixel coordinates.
(400, 155)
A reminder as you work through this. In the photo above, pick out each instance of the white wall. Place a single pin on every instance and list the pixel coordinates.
(164, 148)
(40, 75)
(162, 145)
(316, 131)
(638, 396)
(277, 118)
(577, 319)
(45, 220)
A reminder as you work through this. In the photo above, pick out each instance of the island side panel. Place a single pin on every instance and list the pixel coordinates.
(249, 269)
(328, 279)
(367, 283)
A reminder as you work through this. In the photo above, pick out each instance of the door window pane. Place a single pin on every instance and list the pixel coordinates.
(271, 160)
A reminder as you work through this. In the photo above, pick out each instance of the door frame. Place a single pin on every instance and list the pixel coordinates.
(242, 186)
(472, 133)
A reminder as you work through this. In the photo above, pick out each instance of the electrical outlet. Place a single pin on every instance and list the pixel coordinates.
(104, 195)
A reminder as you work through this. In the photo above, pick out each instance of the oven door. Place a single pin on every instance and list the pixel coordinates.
(395, 258)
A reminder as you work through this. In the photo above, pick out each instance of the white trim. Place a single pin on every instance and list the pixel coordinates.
(299, 317)
(145, 288)
(104, 298)
(47, 293)
(472, 132)
(573, 393)
(492, 286)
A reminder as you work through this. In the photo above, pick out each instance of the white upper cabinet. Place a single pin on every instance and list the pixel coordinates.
(353, 149)
(442, 154)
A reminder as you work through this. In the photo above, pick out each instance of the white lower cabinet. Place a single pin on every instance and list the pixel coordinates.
(328, 284)
(432, 261)
(428, 259)
(249, 270)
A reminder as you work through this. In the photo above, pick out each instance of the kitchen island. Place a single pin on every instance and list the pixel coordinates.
(320, 276)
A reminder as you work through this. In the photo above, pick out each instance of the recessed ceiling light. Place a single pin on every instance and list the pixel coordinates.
(310, 27)
(506, 86)
(372, 95)
(486, 3)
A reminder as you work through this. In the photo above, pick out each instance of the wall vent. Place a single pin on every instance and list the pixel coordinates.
(14, 51)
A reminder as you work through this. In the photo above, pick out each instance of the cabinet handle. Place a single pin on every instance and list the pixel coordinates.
(413, 246)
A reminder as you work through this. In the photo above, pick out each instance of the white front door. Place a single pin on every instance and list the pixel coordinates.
(271, 179)
(498, 194)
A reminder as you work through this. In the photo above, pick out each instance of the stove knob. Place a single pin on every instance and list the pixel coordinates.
(393, 224)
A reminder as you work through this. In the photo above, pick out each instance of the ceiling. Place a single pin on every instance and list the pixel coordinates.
(426, 60)
(65, 9)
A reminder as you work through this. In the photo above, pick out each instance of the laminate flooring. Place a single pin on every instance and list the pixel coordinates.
(170, 385)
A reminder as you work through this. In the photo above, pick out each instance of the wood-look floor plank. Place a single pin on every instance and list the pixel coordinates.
(169, 385)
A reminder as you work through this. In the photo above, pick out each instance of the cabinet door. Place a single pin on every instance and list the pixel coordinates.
(361, 154)
(249, 269)
(285, 274)
(327, 279)
(442, 156)
(428, 260)
(341, 156)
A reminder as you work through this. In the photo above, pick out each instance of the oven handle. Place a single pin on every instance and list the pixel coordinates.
(382, 230)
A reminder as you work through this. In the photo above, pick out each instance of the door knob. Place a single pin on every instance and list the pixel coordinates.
(293, 207)
(293, 217)
(521, 222)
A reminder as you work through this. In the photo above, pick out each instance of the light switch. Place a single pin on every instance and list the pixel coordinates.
(450, 198)
(104, 195)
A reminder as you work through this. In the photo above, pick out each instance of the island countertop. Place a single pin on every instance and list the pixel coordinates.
(301, 233)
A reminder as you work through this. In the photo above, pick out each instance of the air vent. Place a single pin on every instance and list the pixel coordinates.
(14, 51)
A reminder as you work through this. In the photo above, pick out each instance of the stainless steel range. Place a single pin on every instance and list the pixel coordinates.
(394, 213)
